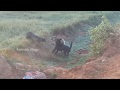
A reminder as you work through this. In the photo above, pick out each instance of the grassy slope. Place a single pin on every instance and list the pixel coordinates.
(17, 23)
(14, 25)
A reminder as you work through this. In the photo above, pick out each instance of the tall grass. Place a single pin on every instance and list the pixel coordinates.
(14, 30)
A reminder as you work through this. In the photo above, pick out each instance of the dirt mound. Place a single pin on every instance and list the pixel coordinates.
(54, 72)
(102, 68)
(5, 68)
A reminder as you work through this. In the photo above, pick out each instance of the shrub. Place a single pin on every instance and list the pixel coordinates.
(99, 35)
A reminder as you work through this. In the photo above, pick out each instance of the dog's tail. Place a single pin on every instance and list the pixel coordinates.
(71, 45)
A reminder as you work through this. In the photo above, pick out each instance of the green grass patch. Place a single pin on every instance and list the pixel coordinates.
(14, 24)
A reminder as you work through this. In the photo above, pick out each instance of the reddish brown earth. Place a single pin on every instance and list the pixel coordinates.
(7, 71)
(101, 68)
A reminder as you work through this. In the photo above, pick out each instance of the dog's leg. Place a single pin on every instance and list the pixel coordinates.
(67, 54)
(61, 50)
(56, 52)
(64, 53)
(53, 50)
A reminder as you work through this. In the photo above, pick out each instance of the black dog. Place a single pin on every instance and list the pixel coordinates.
(66, 49)
(34, 38)
(58, 45)
(61, 47)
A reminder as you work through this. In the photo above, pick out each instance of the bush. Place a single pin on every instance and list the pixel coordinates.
(99, 35)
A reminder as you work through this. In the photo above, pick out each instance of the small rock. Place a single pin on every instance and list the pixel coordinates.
(103, 60)
(36, 75)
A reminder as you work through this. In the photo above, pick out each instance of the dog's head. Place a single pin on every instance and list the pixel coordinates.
(54, 38)
(43, 39)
